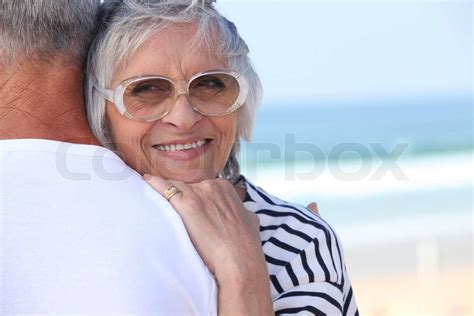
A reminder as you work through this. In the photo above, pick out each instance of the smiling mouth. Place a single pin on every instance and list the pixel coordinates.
(182, 146)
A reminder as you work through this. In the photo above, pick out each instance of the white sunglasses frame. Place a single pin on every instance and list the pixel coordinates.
(181, 87)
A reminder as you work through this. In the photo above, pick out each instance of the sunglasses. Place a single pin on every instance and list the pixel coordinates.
(150, 98)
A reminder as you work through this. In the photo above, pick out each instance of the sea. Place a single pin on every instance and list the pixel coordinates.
(381, 171)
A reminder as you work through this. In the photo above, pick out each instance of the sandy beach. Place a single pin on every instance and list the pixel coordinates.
(449, 293)
(428, 274)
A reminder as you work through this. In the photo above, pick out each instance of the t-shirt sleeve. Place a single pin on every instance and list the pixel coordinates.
(315, 281)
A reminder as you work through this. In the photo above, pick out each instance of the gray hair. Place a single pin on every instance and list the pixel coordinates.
(127, 24)
(44, 28)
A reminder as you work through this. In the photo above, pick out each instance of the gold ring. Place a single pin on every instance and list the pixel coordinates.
(171, 191)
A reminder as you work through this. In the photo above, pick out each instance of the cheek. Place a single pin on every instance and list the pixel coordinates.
(228, 130)
(127, 136)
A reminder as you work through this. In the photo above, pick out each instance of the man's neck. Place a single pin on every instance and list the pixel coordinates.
(43, 101)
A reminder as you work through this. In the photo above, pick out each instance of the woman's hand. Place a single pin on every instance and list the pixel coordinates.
(313, 207)
(226, 235)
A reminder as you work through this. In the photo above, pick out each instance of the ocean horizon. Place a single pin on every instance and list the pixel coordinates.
(359, 129)
(367, 162)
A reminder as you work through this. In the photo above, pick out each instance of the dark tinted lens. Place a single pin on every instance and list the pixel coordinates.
(214, 93)
(148, 98)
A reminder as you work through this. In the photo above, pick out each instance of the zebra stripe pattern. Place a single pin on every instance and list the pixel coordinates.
(304, 257)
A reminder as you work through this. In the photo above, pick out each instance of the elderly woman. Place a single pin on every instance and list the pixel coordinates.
(171, 90)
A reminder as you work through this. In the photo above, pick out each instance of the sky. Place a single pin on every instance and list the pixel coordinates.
(315, 51)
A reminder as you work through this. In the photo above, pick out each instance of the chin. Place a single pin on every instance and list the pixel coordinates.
(189, 176)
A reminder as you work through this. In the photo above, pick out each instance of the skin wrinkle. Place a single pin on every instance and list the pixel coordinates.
(60, 115)
(6, 111)
(163, 54)
(28, 91)
(43, 100)
(29, 114)
(22, 101)
(14, 102)
(6, 82)
(48, 98)
(5, 114)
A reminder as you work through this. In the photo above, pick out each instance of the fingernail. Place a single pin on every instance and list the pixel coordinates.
(146, 177)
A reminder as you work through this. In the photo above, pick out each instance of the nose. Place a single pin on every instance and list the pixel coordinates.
(182, 114)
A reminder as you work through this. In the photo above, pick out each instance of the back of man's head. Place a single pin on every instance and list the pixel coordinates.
(43, 47)
(41, 29)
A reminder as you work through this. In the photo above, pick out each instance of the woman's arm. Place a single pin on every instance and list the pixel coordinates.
(226, 235)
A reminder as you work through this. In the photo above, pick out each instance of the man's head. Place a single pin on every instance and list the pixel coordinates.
(43, 48)
(43, 29)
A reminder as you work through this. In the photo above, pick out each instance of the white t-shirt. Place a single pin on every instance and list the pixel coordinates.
(80, 232)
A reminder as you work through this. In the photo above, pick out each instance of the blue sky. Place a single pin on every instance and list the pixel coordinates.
(314, 51)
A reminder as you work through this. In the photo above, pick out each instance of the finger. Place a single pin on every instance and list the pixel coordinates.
(255, 219)
(313, 207)
(161, 185)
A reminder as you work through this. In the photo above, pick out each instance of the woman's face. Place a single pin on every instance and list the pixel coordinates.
(148, 146)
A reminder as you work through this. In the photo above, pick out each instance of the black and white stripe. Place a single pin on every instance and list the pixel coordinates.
(304, 258)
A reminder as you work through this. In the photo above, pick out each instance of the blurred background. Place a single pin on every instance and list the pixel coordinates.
(368, 110)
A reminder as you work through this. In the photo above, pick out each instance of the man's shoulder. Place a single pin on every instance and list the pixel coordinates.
(46, 146)
(72, 177)
(79, 228)
(61, 160)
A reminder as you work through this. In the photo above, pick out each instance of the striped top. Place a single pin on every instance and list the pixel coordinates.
(304, 258)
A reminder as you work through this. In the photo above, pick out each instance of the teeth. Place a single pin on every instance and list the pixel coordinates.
(178, 147)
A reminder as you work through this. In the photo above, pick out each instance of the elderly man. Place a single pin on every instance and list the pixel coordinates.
(80, 231)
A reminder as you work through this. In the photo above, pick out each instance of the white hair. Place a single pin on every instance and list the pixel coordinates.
(127, 24)
(43, 28)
